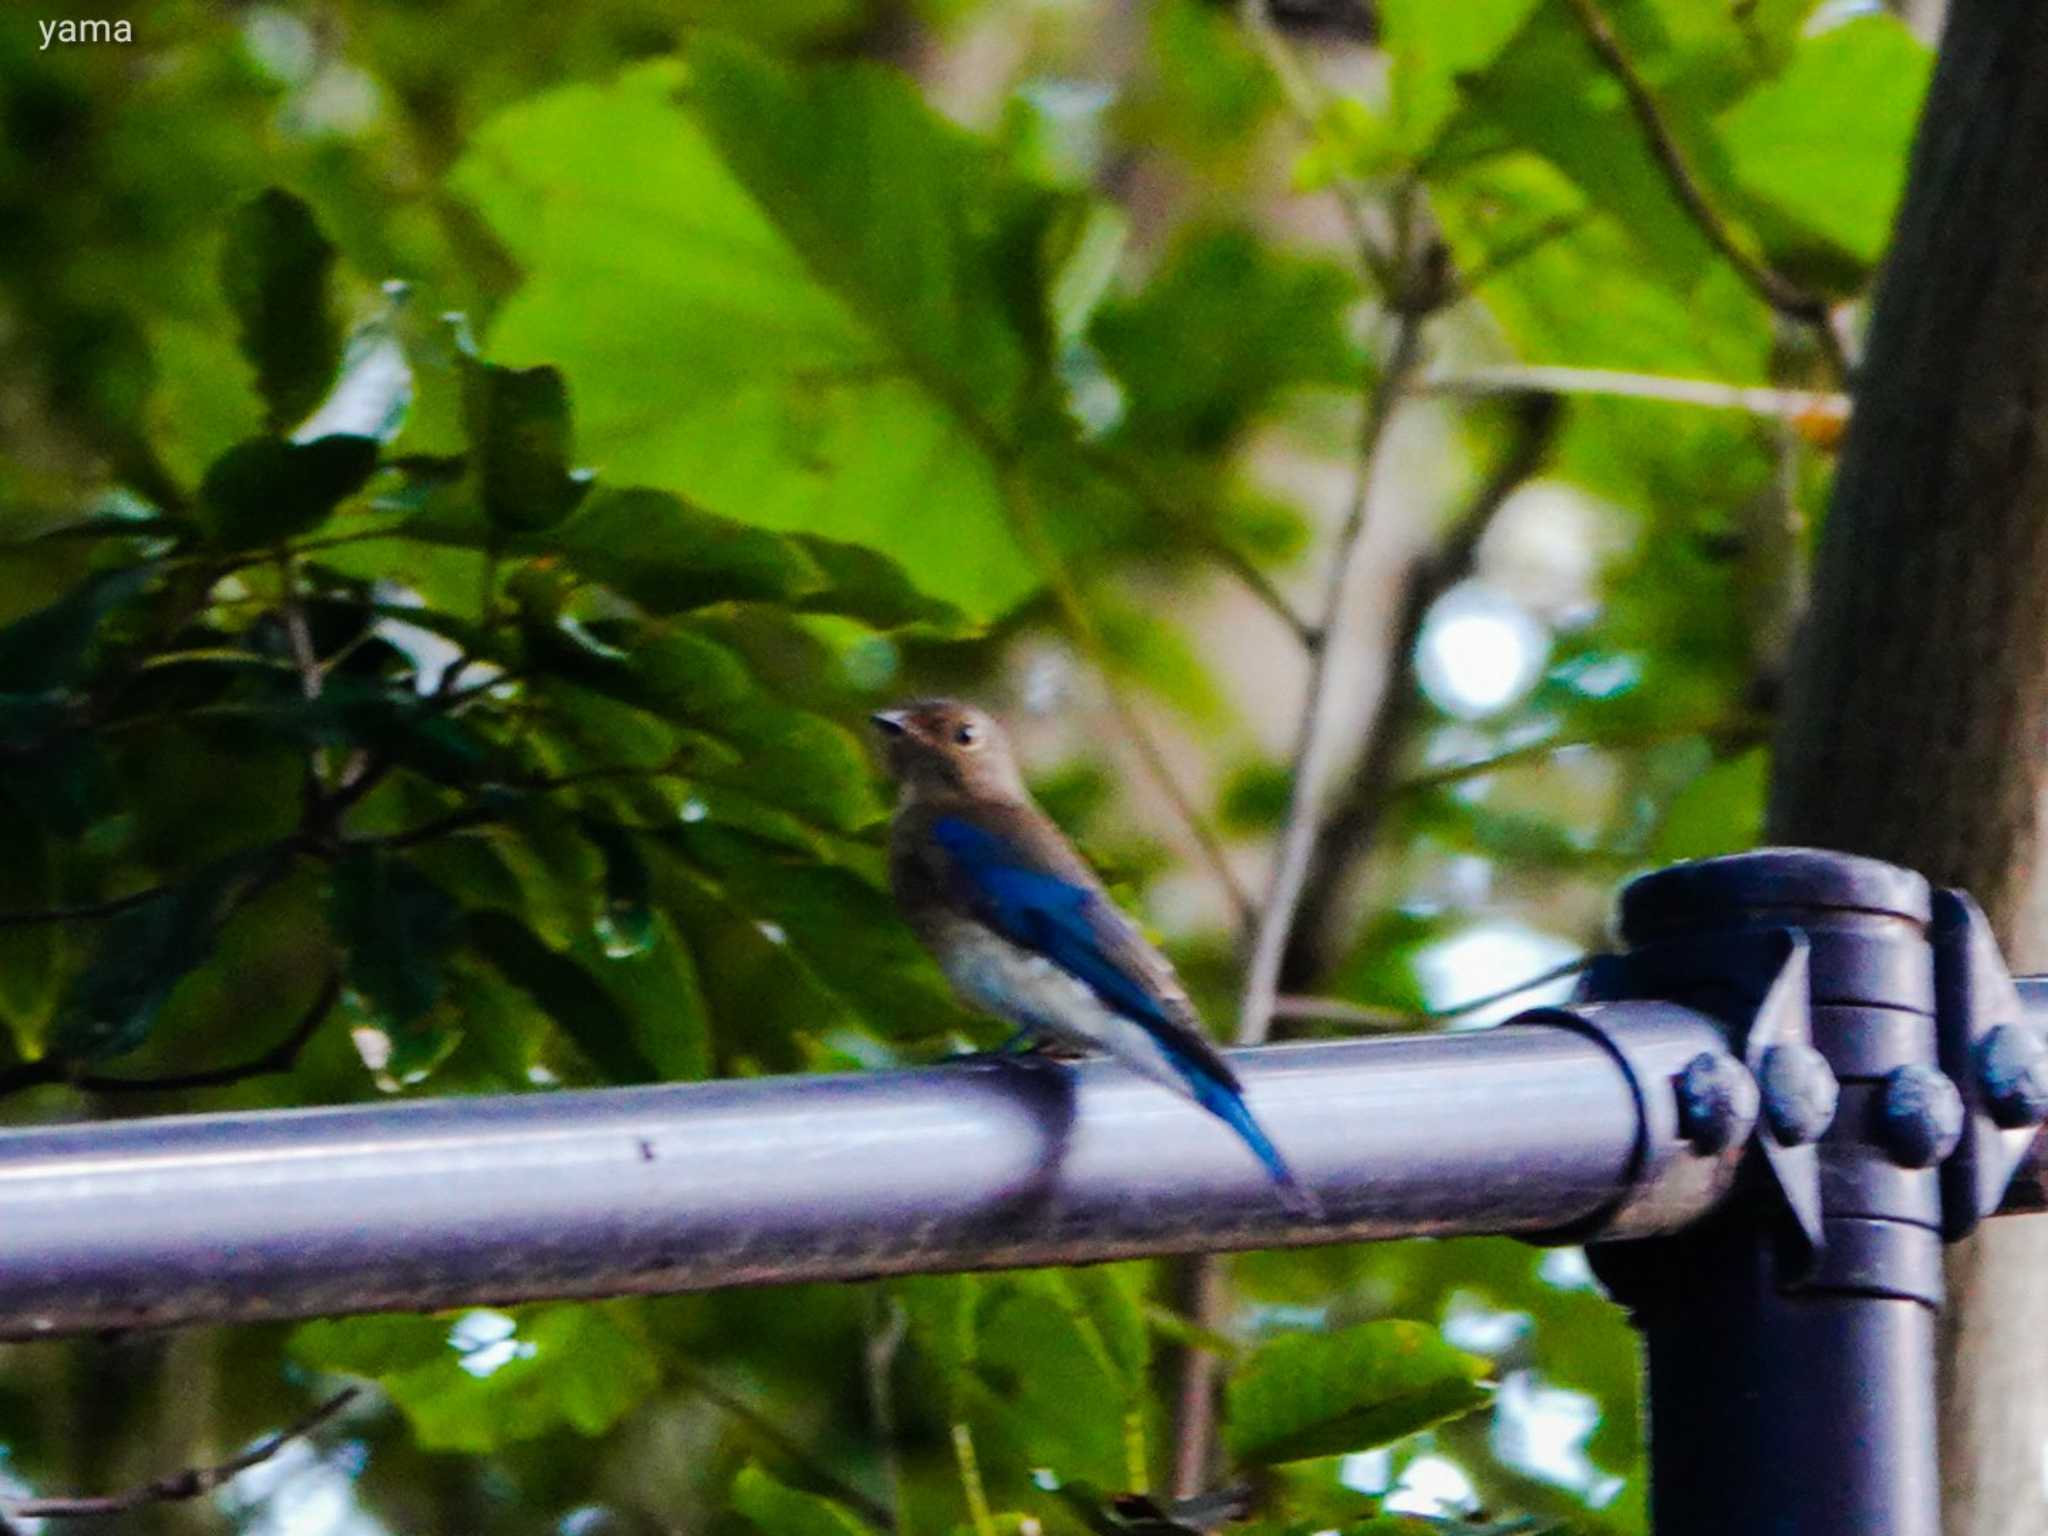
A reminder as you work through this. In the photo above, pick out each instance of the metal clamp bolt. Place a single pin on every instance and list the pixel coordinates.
(1799, 1093)
(2012, 1069)
(1920, 1117)
(1717, 1101)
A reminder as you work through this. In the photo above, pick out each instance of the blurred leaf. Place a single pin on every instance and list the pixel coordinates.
(1255, 796)
(519, 438)
(625, 926)
(1151, 651)
(487, 1379)
(668, 557)
(1324, 1394)
(1432, 48)
(140, 956)
(400, 726)
(839, 328)
(779, 1511)
(786, 755)
(277, 271)
(267, 490)
(1837, 174)
(397, 924)
(1223, 328)
(1720, 811)
(49, 647)
(565, 991)
(846, 931)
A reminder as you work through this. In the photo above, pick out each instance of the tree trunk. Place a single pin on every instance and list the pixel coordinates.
(1918, 697)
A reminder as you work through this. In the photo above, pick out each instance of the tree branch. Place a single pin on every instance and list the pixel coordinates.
(1301, 97)
(1421, 290)
(1786, 404)
(191, 1483)
(1081, 623)
(785, 1445)
(1346, 834)
(45, 1071)
(1773, 287)
(1159, 505)
(1298, 831)
(281, 1057)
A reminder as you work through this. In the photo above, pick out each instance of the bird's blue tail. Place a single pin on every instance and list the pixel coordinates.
(1224, 1101)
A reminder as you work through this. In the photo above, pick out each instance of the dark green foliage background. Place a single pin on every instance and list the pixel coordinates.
(466, 474)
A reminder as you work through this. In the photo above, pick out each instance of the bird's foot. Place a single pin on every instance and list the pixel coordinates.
(1022, 1047)
(1028, 1042)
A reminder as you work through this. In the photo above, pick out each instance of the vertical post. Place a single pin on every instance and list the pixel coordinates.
(1790, 1338)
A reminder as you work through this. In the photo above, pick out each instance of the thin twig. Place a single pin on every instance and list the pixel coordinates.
(889, 1325)
(1785, 404)
(1305, 104)
(1204, 1295)
(281, 1057)
(1348, 830)
(1023, 518)
(784, 1444)
(1511, 254)
(1723, 730)
(1774, 288)
(191, 1483)
(1204, 1286)
(1311, 745)
(1294, 1006)
(1570, 967)
(90, 912)
(970, 1480)
(1159, 506)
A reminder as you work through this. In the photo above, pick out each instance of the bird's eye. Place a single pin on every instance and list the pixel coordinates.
(968, 735)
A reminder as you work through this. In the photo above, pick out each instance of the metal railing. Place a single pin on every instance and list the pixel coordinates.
(1804, 1073)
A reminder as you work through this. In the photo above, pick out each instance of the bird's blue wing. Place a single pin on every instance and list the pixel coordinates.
(1050, 915)
(1074, 927)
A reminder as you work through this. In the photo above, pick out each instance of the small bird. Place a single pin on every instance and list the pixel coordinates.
(1023, 928)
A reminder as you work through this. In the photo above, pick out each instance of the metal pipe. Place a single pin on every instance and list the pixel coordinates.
(1791, 1384)
(976, 1165)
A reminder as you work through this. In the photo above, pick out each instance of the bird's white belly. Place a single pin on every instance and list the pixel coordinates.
(1029, 990)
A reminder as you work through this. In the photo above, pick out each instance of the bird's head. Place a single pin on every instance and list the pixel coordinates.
(941, 747)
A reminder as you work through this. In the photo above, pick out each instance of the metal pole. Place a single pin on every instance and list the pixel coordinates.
(1791, 1336)
(986, 1164)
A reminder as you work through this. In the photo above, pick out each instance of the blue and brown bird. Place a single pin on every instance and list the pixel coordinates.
(1024, 929)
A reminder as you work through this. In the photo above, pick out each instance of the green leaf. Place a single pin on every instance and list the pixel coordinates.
(779, 1511)
(669, 557)
(841, 328)
(141, 955)
(517, 420)
(865, 585)
(397, 925)
(625, 925)
(1432, 47)
(50, 647)
(847, 932)
(1720, 811)
(583, 1010)
(1324, 1394)
(485, 1379)
(267, 490)
(1835, 175)
(277, 271)
(783, 754)
(1225, 327)
(400, 725)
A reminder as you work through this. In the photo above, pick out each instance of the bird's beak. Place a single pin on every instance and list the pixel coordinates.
(891, 722)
